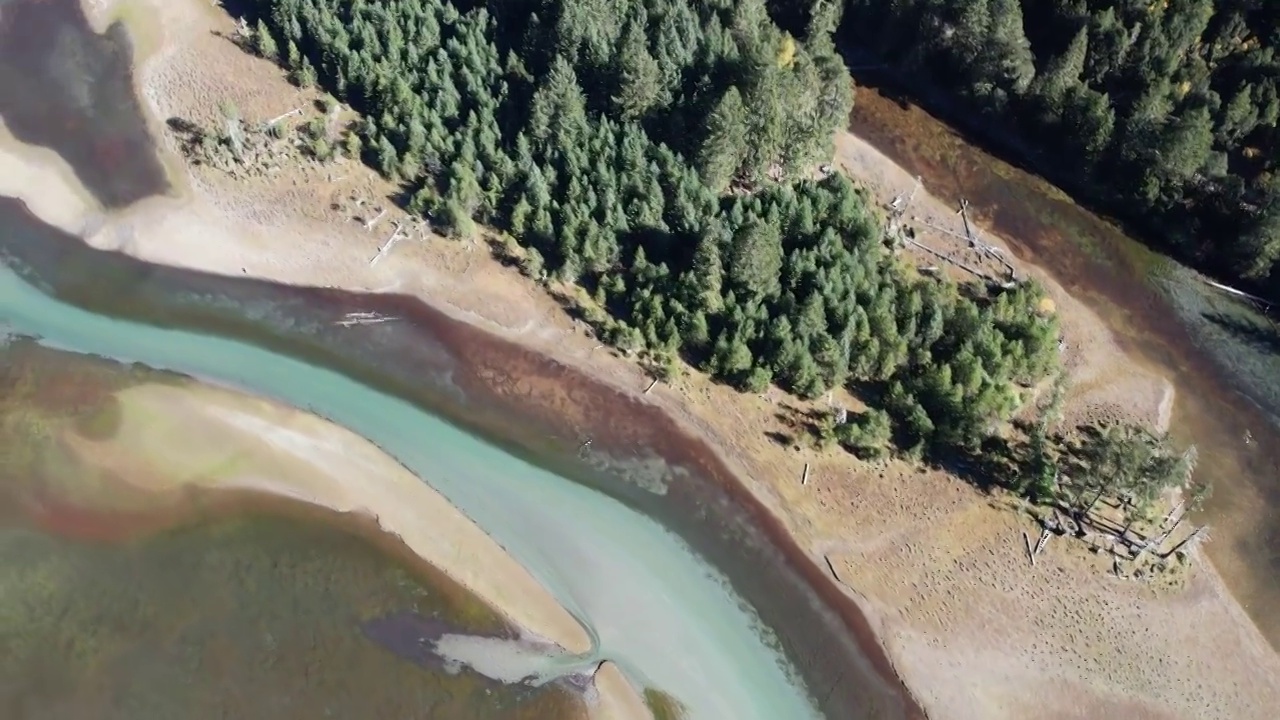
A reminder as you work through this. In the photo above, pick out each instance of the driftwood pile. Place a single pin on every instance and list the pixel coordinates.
(899, 234)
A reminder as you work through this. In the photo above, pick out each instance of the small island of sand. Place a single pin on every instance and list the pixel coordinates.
(156, 440)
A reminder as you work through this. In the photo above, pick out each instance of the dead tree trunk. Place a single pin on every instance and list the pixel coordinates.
(369, 225)
(1130, 517)
(1045, 534)
(964, 215)
(1160, 539)
(1084, 514)
(948, 259)
(278, 118)
(386, 248)
(1200, 533)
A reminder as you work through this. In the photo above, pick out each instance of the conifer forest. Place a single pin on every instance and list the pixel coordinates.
(1163, 113)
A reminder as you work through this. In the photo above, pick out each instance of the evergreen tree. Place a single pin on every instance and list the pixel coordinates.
(725, 146)
(1063, 73)
(1163, 113)
(640, 78)
(601, 140)
(263, 43)
(757, 258)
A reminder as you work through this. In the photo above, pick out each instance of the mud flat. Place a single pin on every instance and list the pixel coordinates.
(99, 568)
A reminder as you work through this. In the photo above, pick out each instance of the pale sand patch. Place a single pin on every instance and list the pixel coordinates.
(1064, 636)
(203, 436)
(977, 632)
(46, 183)
(973, 632)
(616, 698)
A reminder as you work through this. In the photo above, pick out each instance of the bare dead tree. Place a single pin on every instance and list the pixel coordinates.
(364, 318)
(278, 118)
(1201, 534)
(386, 247)
(1199, 493)
(368, 226)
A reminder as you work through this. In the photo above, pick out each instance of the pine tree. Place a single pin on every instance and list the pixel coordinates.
(1259, 249)
(757, 258)
(388, 158)
(1007, 49)
(725, 145)
(1186, 143)
(1063, 73)
(263, 43)
(708, 271)
(640, 80)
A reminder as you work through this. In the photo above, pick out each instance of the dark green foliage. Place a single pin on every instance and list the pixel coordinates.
(757, 258)
(1164, 110)
(581, 128)
(1131, 465)
(352, 145)
(866, 435)
(263, 43)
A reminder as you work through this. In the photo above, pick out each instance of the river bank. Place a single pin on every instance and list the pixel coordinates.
(938, 568)
(255, 444)
(140, 451)
(127, 492)
(1217, 352)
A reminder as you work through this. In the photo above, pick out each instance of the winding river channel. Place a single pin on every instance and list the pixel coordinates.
(681, 579)
(664, 615)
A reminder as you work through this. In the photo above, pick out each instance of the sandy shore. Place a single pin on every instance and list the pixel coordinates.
(45, 182)
(250, 443)
(937, 565)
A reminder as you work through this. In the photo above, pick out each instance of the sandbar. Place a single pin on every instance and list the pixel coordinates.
(195, 435)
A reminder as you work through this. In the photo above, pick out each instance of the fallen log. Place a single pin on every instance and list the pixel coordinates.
(369, 225)
(278, 118)
(386, 247)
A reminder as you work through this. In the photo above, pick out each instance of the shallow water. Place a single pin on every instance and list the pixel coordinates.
(66, 88)
(666, 617)
(1221, 356)
(658, 607)
(117, 603)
